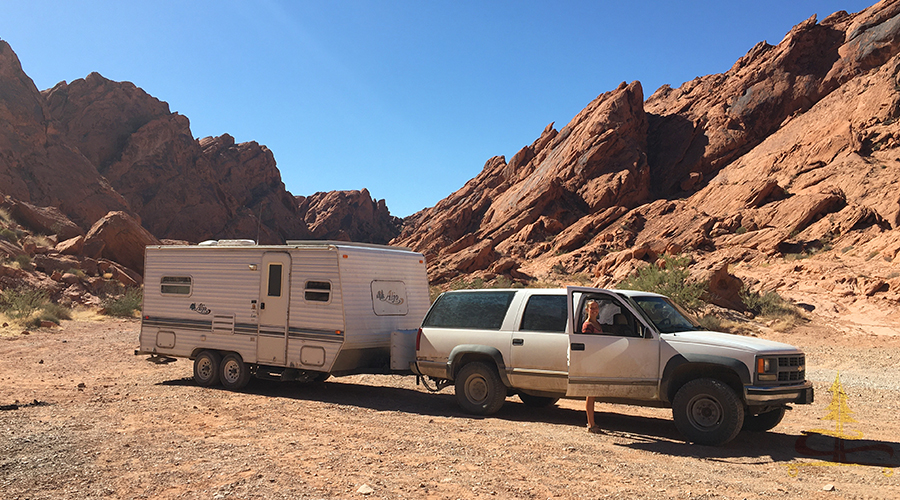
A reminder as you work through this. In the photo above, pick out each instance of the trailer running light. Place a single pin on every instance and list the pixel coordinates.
(345, 256)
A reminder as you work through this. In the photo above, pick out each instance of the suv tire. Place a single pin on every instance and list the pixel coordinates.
(537, 401)
(763, 421)
(479, 389)
(707, 411)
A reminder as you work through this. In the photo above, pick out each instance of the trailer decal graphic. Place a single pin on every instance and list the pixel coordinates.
(200, 309)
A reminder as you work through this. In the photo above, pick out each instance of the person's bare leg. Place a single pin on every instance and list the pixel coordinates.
(589, 409)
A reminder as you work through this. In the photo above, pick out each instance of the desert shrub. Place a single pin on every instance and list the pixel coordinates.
(124, 305)
(20, 303)
(670, 280)
(56, 311)
(768, 304)
(502, 281)
(6, 217)
(710, 322)
(76, 272)
(10, 235)
(23, 261)
(464, 284)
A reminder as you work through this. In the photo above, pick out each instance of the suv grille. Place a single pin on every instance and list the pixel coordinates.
(791, 369)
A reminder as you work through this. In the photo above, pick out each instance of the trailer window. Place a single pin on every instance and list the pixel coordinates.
(318, 291)
(175, 285)
(274, 280)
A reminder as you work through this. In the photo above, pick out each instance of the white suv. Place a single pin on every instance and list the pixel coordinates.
(498, 342)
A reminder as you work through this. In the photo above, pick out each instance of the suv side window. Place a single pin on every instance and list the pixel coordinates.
(476, 310)
(545, 313)
(614, 318)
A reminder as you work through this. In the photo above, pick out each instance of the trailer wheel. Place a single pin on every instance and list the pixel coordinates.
(206, 368)
(235, 373)
(707, 411)
(479, 389)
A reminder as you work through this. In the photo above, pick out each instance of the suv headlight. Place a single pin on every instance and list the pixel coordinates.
(767, 369)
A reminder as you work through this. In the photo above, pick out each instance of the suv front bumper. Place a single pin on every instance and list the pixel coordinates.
(762, 395)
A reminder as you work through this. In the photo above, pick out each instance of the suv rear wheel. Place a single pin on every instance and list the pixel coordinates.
(479, 389)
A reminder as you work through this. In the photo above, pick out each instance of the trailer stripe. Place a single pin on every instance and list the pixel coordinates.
(241, 329)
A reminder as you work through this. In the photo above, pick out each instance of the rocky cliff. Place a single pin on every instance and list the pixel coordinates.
(93, 145)
(791, 153)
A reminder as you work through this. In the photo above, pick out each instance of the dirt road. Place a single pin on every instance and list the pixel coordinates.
(82, 417)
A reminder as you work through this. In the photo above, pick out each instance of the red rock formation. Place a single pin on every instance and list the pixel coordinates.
(793, 153)
(120, 238)
(38, 165)
(348, 216)
(579, 175)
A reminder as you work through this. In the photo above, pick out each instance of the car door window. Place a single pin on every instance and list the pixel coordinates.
(614, 318)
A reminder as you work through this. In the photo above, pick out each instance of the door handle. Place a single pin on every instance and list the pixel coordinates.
(577, 346)
(518, 341)
(262, 305)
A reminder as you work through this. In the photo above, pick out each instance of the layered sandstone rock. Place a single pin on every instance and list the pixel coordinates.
(348, 216)
(792, 154)
(38, 165)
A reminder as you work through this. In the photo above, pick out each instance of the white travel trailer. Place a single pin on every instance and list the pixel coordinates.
(299, 311)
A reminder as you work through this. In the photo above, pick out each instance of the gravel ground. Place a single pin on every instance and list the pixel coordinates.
(82, 417)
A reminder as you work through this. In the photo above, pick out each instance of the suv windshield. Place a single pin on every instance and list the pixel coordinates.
(666, 315)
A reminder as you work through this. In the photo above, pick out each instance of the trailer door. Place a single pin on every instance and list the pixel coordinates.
(274, 296)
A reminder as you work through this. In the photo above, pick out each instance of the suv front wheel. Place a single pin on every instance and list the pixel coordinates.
(479, 389)
(707, 411)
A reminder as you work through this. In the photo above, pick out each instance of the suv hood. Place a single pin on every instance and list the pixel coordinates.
(751, 344)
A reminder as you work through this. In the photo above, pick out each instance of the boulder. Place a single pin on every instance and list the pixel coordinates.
(120, 238)
(72, 246)
(43, 220)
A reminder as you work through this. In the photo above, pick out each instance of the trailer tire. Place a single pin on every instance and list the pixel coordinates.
(235, 373)
(206, 368)
(479, 389)
(707, 411)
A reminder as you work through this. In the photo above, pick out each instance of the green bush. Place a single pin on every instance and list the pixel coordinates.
(124, 305)
(9, 234)
(55, 312)
(670, 280)
(19, 303)
(710, 322)
(23, 261)
(768, 304)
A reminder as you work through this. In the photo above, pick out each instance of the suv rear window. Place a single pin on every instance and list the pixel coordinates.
(477, 310)
(545, 313)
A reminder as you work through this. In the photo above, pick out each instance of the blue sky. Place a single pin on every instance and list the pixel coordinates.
(405, 98)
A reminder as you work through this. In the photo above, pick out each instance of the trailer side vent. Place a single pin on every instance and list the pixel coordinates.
(223, 324)
(317, 291)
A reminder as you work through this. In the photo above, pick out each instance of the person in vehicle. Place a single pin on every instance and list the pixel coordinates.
(592, 324)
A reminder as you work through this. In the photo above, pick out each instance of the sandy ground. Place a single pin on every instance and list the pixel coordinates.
(82, 417)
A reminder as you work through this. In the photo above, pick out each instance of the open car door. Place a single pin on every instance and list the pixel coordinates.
(619, 362)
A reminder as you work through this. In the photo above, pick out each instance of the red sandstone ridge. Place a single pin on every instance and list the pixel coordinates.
(348, 216)
(791, 152)
(38, 165)
(94, 145)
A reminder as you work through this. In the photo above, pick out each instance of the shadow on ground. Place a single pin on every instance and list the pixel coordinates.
(654, 434)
